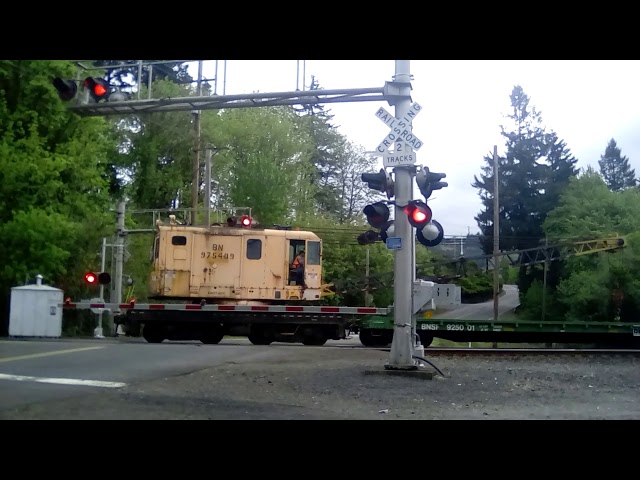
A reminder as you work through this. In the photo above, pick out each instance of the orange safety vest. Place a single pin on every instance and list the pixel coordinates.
(296, 262)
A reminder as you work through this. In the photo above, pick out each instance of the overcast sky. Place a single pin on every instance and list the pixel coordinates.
(585, 102)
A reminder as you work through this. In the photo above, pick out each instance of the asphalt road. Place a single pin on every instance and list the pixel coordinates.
(484, 311)
(43, 370)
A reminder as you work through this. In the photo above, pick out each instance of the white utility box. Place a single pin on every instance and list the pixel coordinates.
(35, 310)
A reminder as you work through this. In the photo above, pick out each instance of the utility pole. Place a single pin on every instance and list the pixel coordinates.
(401, 357)
(195, 173)
(496, 236)
(544, 282)
(207, 185)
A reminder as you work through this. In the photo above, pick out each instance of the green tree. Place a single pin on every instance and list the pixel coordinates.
(54, 180)
(536, 168)
(156, 154)
(268, 162)
(589, 210)
(331, 158)
(352, 194)
(615, 169)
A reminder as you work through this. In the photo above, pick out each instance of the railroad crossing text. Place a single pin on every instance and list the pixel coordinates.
(400, 128)
(399, 159)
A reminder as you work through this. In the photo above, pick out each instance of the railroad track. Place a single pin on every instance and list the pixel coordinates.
(529, 351)
(509, 351)
(453, 350)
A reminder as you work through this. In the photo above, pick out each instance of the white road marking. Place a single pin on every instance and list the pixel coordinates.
(63, 381)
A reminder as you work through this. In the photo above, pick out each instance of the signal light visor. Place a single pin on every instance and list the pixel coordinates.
(377, 214)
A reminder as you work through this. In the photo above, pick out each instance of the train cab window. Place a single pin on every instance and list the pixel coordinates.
(254, 249)
(178, 240)
(295, 246)
(313, 253)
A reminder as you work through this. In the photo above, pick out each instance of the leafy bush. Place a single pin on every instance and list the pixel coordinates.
(477, 287)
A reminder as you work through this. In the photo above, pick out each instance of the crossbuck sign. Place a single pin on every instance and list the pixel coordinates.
(406, 143)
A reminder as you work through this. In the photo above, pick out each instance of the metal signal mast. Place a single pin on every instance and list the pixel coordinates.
(110, 100)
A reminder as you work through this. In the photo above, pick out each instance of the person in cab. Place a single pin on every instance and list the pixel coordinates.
(297, 268)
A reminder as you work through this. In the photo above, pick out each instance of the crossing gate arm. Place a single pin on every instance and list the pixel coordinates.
(226, 308)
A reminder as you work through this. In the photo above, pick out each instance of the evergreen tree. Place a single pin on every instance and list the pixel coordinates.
(536, 168)
(329, 146)
(559, 169)
(615, 168)
(518, 177)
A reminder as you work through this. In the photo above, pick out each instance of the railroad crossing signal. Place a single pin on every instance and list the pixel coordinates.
(368, 237)
(429, 181)
(380, 181)
(428, 232)
(371, 236)
(419, 213)
(98, 88)
(378, 217)
(67, 89)
(377, 214)
(102, 278)
(406, 143)
(243, 221)
(431, 234)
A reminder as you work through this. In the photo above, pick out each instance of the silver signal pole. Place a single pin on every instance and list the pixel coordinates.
(401, 357)
(103, 253)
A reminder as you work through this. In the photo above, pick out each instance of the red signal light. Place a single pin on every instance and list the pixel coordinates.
(98, 88)
(419, 213)
(102, 278)
(418, 216)
(244, 221)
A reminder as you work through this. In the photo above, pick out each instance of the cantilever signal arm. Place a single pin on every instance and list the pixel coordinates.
(531, 256)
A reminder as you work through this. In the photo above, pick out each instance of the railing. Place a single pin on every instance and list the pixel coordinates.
(147, 219)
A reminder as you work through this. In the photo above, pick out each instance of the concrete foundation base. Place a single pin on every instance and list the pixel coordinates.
(421, 374)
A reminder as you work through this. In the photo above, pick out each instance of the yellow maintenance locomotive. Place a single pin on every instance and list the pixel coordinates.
(235, 264)
(237, 279)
